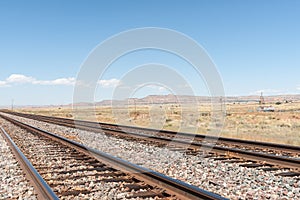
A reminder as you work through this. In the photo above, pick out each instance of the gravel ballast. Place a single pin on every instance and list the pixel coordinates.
(72, 175)
(13, 184)
(227, 179)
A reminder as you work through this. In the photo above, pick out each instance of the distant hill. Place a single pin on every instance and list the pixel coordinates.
(173, 99)
(185, 99)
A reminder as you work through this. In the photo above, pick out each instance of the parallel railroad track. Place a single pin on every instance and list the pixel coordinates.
(287, 158)
(288, 150)
(69, 168)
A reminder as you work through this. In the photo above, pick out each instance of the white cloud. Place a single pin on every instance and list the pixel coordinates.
(109, 83)
(163, 89)
(60, 81)
(64, 81)
(22, 79)
(157, 87)
(19, 78)
(4, 84)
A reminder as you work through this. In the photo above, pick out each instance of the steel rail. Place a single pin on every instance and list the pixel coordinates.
(251, 155)
(41, 187)
(250, 143)
(281, 161)
(176, 187)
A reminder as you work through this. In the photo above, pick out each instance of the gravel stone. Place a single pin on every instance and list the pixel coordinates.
(227, 179)
(13, 184)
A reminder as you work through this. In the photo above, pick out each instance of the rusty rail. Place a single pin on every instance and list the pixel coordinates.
(41, 187)
(173, 186)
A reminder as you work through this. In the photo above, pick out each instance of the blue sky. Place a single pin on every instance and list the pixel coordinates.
(254, 44)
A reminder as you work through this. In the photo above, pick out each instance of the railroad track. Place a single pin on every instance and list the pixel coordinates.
(268, 156)
(287, 150)
(64, 169)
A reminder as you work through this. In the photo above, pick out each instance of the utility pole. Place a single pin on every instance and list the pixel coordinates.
(262, 100)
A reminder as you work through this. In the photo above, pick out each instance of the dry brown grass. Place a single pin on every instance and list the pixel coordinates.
(242, 120)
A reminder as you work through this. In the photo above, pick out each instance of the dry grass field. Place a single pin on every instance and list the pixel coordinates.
(242, 120)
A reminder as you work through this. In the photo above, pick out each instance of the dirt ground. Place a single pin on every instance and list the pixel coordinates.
(242, 119)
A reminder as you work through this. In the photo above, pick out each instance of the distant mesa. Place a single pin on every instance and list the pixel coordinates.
(186, 99)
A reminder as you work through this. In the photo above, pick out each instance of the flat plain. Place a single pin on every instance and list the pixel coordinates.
(242, 120)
